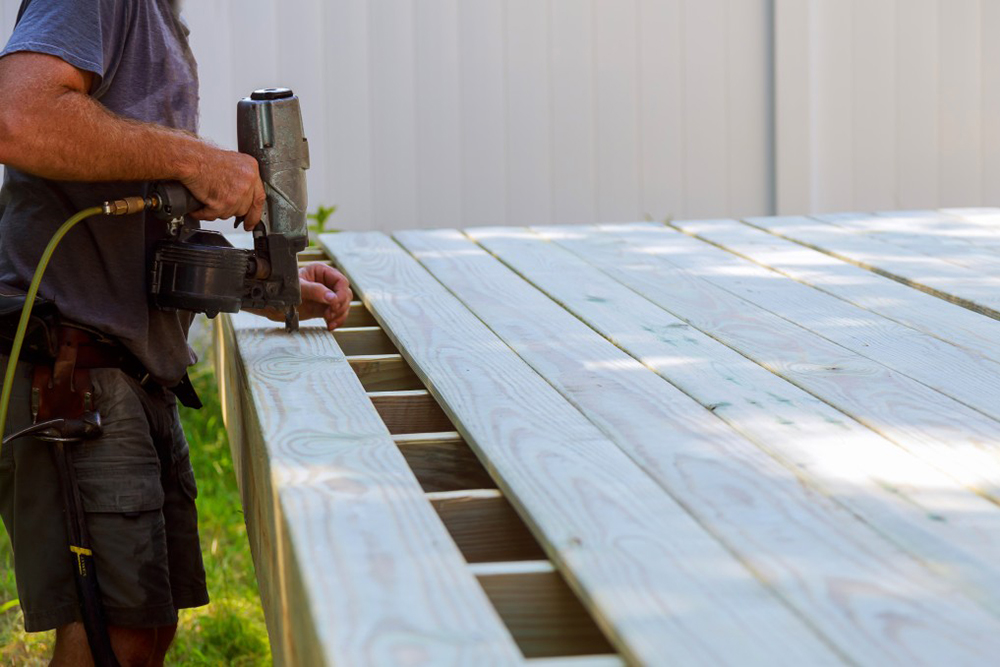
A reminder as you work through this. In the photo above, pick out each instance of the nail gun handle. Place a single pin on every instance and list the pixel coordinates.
(173, 200)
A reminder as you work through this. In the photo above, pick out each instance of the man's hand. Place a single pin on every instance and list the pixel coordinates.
(51, 127)
(228, 184)
(325, 293)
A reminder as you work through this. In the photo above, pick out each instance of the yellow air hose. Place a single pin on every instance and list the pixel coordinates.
(118, 207)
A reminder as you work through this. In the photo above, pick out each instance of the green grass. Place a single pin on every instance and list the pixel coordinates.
(230, 630)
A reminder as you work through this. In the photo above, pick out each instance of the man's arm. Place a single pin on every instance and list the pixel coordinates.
(51, 127)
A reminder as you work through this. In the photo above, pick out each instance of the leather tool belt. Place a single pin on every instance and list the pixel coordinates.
(63, 354)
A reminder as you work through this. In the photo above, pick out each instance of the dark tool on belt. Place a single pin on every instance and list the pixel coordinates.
(199, 270)
(64, 389)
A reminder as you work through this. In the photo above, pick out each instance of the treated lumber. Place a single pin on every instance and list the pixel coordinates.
(384, 372)
(358, 316)
(413, 411)
(543, 614)
(578, 661)
(327, 494)
(443, 461)
(485, 527)
(946, 281)
(958, 441)
(971, 379)
(363, 341)
(816, 552)
(905, 499)
(920, 235)
(854, 285)
(585, 500)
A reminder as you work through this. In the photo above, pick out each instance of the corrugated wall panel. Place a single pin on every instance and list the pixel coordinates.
(887, 104)
(451, 112)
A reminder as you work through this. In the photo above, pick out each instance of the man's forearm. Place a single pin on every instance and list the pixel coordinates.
(71, 137)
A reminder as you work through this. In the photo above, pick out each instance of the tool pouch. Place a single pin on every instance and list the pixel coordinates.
(61, 390)
(40, 344)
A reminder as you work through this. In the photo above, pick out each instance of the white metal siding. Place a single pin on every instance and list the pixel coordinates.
(885, 104)
(466, 112)
(451, 112)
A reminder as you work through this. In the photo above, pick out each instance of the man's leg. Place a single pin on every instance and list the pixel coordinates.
(139, 647)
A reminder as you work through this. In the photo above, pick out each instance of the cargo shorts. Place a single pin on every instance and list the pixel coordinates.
(138, 494)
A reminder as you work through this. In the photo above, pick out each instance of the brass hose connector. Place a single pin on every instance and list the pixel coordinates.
(126, 206)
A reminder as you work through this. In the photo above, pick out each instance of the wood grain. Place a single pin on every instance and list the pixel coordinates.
(322, 479)
(485, 527)
(443, 462)
(958, 441)
(810, 556)
(544, 615)
(657, 583)
(906, 500)
(934, 276)
(971, 379)
(384, 372)
(361, 341)
(413, 411)
(876, 293)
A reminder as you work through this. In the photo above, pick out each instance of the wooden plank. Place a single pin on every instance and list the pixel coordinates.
(854, 285)
(903, 232)
(413, 411)
(317, 464)
(359, 316)
(543, 614)
(970, 379)
(384, 372)
(443, 462)
(961, 443)
(635, 407)
(578, 492)
(363, 341)
(946, 281)
(949, 226)
(485, 527)
(578, 661)
(906, 500)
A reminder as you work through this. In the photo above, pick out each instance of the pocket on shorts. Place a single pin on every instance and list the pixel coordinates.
(122, 490)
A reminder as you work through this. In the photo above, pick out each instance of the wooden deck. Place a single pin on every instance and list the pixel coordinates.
(766, 442)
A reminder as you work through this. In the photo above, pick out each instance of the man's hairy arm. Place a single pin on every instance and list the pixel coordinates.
(51, 127)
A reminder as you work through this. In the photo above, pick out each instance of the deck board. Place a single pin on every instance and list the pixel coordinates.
(317, 464)
(960, 442)
(854, 285)
(975, 381)
(957, 284)
(728, 484)
(905, 499)
(589, 505)
(762, 442)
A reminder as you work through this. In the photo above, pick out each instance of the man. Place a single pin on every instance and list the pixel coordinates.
(99, 99)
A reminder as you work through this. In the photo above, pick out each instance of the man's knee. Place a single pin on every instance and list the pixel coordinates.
(132, 646)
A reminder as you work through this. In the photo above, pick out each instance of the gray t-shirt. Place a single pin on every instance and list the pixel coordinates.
(98, 276)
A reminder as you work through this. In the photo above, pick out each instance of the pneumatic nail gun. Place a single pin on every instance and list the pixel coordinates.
(199, 270)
